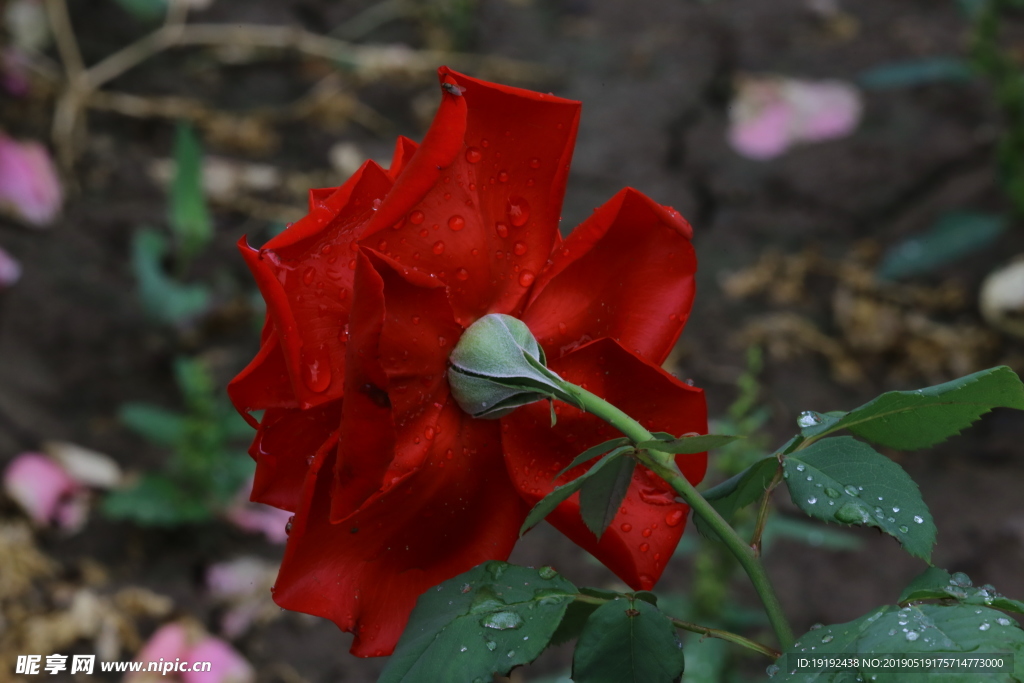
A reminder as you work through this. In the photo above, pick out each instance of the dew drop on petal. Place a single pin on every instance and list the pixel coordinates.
(438, 247)
(644, 547)
(518, 211)
(416, 217)
(501, 229)
(473, 155)
(519, 248)
(626, 528)
(456, 222)
(308, 275)
(674, 518)
(503, 177)
(462, 274)
(316, 370)
(535, 163)
(646, 533)
(526, 278)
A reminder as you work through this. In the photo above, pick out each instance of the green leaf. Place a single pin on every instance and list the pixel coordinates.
(938, 584)
(163, 298)
(548, 503)
(485, 621)
(147, 10)
(155, 501)
(577, 614)
(916, 72)
(593, 452)
(686, 445)
(738, 492)
(159, 426)
(917, 419)
(916, 630)
(189, 217)
(954, 235)
(603, 492)
(846, 481)
(627, 641)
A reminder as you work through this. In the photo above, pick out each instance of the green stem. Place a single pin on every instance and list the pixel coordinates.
(762, 511)
(703, 630)
(664, 465)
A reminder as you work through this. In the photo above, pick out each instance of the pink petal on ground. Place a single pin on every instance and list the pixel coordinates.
(240, 578)
(10, 269)
(29, 185)
(44, 490)
(823, 109)
(226, 664)
(760, 119)
(168, 642)
(269, 521)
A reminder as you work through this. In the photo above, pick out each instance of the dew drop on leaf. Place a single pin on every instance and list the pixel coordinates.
(502, 621)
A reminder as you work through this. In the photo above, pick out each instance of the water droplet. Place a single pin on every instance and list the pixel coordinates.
(456, 223)
(442, 342)
(808, 419)
(526, 278)
(308, 275)
(502, 621)
(674, 518)
(960, 579)
(644, 547)
(462, 274)
(852, 513)
(812, 500)
(832, 493)
(827, 639)
(501, 229)
(547, 572)
(518, 211)
(438, 247)
(912, 635)
(474, 155)
(851, 490)
(646, 533)
(463, 648)
(626, 528)
(416, 217)
(520, 248)
(985, 626)
(1003, 621)
(917, 518)
(800, 468)
(491, 645)
(772, 670)
(892, 632)
(316, 369)
(503, 177)
(511, 653)
(895, 509)
(535, 163)
(904, 528)
(879, 513)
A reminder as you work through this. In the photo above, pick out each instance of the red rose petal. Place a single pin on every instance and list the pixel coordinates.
(642, 537)
(446, 517)
(625, 273)
(284, 446)
(264, 383)
(396, 384)
(479, 204)
(404, 149)
(305, 274)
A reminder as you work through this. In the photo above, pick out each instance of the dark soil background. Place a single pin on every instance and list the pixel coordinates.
(655, 81)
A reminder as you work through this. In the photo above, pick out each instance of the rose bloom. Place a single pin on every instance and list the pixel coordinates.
(394, 488)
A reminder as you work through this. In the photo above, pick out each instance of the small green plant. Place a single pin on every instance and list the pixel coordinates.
(205, 469)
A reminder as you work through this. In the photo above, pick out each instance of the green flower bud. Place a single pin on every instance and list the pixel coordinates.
(498, 366)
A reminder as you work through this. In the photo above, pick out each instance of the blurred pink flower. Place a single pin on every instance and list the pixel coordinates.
(14, 74)
(47, 493)
(245, 584)
(771, 114)
(29, 186)
(10, 270)
(256, 517)
(189, 644)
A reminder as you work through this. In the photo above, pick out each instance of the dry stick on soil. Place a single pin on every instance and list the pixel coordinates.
(367, 62)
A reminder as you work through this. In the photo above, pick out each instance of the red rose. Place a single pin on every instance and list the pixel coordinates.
(394, 487)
